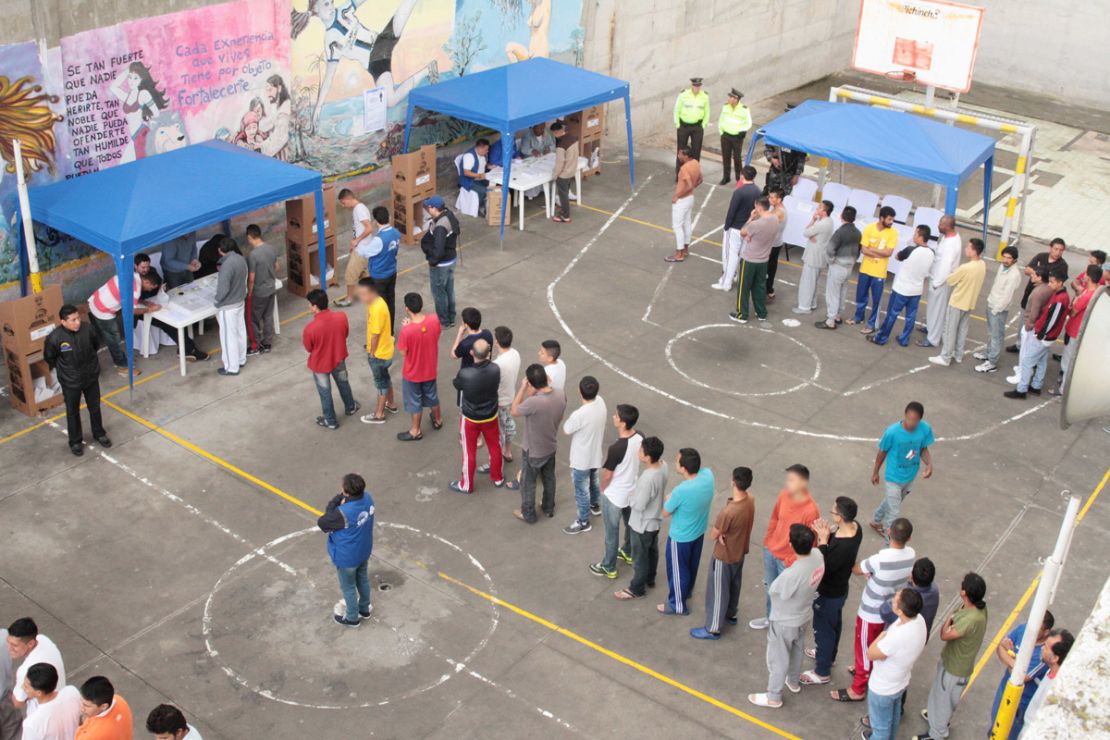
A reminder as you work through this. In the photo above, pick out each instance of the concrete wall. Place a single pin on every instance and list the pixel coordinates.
(762, 47)
(1048, 47)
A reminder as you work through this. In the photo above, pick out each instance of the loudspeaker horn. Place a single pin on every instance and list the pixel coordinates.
(1087, 387)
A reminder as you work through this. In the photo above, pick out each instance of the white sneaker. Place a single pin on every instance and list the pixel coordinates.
(759, 624)
(1013, 379)
(940, 360)
(718, 286)
(794, 688)
(986, 367)
(980, 355)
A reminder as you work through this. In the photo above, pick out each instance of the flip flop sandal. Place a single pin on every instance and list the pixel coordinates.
(672, 258)
(625, 595)
(810, 678)
(842, 695)
(513, 485)
(437, 426)
(409, 437)
(392, 409)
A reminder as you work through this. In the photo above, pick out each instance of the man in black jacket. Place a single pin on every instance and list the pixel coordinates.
(439, 247)
(70, 350)
(478, 385)
(740, 208)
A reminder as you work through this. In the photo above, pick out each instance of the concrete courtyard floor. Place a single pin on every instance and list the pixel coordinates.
(183, 563)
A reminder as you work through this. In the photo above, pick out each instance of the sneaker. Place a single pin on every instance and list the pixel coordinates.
(253, 351)
(322, 422)
(624, 556)
(1013, 348)
(731, 620)
(226, 372)
(925, 343)
(342, 302)
(367, 613)
(1014, 394)
(577, 527)
(483, 468)
(986, 367)
(595, 509)
(1035, 391)
(353, 410)
(701, 633)
(340, 619)
(760, 318)
(718, 286)
(737, 318)
(801, 311)
(371, 419)
(457, 487)
(923, 736)
(199, 356)
(925, 714)
(940, 360)
(122, 372)
(759, 624)
(794, 688)
(1013, 379)
(267, 348)
(980, 355)
(600, 570)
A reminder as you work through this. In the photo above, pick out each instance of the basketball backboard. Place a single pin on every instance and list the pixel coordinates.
(932, 42)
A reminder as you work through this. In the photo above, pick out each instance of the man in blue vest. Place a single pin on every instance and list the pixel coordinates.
(383, 259)
(472, 172)
(349, 522)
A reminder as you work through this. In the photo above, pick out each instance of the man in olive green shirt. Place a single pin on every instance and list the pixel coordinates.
(963, 634)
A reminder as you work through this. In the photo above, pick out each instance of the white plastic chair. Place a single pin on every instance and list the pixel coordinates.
(865, 202)
(798, 214)
(805, 189)
(930, 217)
(837, 193)
(902, 207)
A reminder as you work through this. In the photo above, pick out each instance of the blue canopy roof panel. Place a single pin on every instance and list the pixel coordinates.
(520, 95)
(134, 206)
(882, 139)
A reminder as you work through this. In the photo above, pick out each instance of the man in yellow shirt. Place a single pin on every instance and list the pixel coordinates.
(379, 349)
(966, 282)
(877, 244)
(691, 116)
(734, 123)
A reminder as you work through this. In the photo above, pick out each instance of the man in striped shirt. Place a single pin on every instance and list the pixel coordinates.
(886, 572)
(104, 308)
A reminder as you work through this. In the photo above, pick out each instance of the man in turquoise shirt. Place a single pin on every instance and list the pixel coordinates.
(903, 447)
(688, 509)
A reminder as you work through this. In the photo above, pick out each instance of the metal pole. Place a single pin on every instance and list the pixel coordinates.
(1011, 696)
(930, 104)
(25, 217)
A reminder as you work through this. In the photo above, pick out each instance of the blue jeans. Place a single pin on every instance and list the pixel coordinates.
(894, 306)
(772, 567)
(323, 387)
(379, 369)
(355, 585)
(443, 292)
(111, 333)
(885, 714)
(1033, 362)
(480, 187)
(873, 286)
(586, 491)
(611, 516)
(827, 623)
(996, 334)
(891, 506)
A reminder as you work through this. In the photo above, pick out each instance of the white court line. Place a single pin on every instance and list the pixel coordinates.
(658, 291)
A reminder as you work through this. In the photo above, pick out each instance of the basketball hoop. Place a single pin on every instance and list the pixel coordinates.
(904, 75)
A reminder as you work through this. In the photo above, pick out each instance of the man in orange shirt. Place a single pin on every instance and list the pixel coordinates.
(105, 714)
(682, 204)
(795, 505)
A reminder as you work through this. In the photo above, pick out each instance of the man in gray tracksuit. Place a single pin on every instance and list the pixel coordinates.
(842, 250)
(231, 296)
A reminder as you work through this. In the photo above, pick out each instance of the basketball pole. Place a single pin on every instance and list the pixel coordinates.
(930, 104)
(25, 219)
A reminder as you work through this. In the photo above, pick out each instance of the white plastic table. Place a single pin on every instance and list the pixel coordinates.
(535, 172)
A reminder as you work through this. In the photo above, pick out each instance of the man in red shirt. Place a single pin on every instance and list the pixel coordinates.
(325, 340)
(1087, 284)
(418, 341)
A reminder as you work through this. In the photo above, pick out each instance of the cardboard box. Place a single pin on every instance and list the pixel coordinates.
(414, 174)
(302, 260)
(300, 217)
(591, 150)
(22, 370)
(409, 217)
(493, 207)
(586, 125)
(26, 322)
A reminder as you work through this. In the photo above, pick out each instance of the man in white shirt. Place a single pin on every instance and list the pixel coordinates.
(586, 427)
(893, 654)
(817, 233)
(947, 259)
(508, 359)
(362, 230)
(909, 284)
(166, 722)
(619, 473)
(26, 644)
(555, 368)
(1005, 285)
(59, 710)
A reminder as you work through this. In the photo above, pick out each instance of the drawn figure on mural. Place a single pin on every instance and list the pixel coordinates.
(25, 114)
(275, 122)
(539, 23)
(141, 100)
(249, 137)
(346, 38)
(166, 132)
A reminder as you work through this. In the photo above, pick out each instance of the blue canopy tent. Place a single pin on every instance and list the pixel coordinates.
(516, 96)
(142, 204)
(883, 139)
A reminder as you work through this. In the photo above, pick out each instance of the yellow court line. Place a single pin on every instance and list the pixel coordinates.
(620, 658)
(1006, 625)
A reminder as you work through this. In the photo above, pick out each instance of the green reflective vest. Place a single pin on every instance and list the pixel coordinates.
(734, 120)
(690, 108)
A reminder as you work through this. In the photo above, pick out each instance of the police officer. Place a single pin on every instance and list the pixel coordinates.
(734, 122)
(691, 115)
(70, 350)
(786, 166)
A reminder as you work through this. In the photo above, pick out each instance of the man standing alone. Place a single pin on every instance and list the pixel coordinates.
(903, 447)
(349, 523)
(70, 350)
(691, 116)
(566, 165)
(734, 122)
(682, 204)
(439, 245)
(231, 297)
(759, 234)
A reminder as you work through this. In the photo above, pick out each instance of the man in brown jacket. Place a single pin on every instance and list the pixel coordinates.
(566, 165)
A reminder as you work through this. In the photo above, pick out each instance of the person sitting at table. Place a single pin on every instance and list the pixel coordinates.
(537, 141)
(152, 288)
(472, 172)
(179, 259)
(497, 156)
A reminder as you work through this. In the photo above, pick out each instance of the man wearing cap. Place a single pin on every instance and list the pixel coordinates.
(439, 247)
(691, 115)
(734, 122)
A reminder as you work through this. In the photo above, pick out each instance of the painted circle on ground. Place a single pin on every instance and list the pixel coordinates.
(728, 340)
(268, 621)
